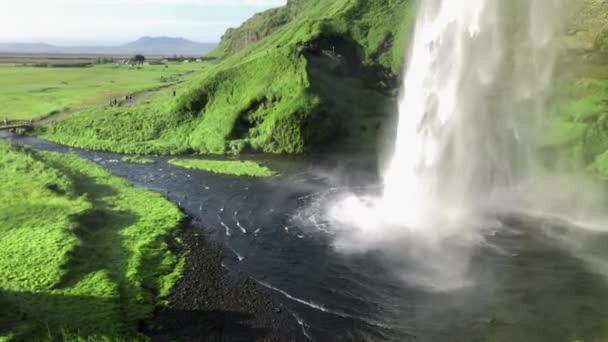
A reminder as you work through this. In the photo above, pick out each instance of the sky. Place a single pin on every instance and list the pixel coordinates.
(108, 22)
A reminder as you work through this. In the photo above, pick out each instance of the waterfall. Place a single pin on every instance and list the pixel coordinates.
(477, 82)
(474, 100)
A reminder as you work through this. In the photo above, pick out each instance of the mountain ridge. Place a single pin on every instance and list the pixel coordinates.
(144, 45)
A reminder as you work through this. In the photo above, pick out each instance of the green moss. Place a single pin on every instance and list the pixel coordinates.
(589, 18)
(137, 160)
(85, 254)
(599, 167)
(226, 167)
(601, 41)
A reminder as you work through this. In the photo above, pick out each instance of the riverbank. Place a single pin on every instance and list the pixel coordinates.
(215, 304)
(85, 255)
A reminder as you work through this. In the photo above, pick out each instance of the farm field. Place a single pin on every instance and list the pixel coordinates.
(29, 92)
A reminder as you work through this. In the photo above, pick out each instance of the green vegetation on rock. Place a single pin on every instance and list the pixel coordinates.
(137, 160)
(579, 129)
(226, 167)
(85, 256)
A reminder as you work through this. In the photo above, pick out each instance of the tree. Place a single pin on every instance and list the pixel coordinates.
(139, 59)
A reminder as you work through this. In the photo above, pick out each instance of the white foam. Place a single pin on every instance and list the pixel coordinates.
(228, 230)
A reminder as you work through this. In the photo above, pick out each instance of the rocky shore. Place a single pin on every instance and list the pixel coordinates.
(211, 303)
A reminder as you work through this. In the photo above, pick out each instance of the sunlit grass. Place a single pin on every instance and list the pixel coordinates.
(83, 254)
(226, 167)
(28, 92)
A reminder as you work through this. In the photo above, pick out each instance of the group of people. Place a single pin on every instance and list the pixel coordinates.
(114, 102)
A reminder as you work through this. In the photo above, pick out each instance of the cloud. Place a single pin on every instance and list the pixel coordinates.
(118, 20)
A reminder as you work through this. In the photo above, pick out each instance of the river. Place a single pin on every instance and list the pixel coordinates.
(527, 285)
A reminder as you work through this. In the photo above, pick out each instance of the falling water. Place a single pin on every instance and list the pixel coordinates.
(475, 91)
(474, 99)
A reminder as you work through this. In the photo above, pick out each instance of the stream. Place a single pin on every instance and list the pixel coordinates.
(528, 285)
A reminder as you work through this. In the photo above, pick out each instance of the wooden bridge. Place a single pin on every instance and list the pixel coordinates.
(13, 124)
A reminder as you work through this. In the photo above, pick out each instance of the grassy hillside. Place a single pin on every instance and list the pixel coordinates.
(289, 80)
(85, 255)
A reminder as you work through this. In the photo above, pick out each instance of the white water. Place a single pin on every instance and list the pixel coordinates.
(474, 96)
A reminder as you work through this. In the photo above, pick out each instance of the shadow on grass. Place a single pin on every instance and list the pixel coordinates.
(101, 247)
(28, 316)
(64, 317)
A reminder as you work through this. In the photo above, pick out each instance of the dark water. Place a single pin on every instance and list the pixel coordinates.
(527, 285)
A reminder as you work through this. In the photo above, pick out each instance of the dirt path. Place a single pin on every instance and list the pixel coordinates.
(137, 97)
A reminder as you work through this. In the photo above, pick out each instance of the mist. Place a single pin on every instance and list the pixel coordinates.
(476, 95)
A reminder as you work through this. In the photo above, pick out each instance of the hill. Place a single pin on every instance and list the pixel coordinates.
(144, 45)
(289, 80)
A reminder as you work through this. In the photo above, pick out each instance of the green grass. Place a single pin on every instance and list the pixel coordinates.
(226, 167)
(137, 160)
(85, 256)
(28, 92)
(298, 85)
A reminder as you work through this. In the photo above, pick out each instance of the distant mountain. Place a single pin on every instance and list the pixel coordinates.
(28, 48)
(144, 45)
(167, 45)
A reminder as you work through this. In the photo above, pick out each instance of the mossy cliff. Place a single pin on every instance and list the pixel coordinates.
(580, 124)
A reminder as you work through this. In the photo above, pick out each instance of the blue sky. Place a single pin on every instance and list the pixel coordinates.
(90, 22)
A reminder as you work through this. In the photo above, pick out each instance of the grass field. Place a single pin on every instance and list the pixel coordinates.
(85, 256)
(28, 92)
(226, 167)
